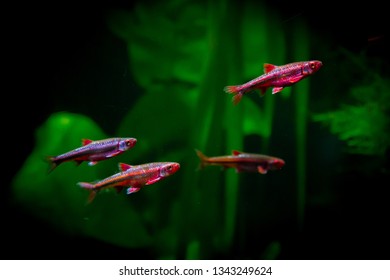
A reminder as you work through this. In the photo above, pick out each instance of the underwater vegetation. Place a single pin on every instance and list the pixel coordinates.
(363, 123)
(181, 54)
(55, 197)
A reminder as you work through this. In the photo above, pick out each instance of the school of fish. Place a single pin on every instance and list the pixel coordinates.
(135, 177)
(132, 177)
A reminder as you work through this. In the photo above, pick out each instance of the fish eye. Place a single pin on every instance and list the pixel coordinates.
(169, 168)
(312, 66)
(128, 143)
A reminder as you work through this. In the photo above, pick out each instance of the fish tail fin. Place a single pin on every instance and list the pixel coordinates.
(52, 163)
(237, 98)
(90, 187)
(203, 159)
(232, 89)
(236, 90)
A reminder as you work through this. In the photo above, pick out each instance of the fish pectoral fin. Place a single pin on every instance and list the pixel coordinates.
(261, 169)
(78, 162)
(92, 163)
(276, 89)
(132, 190)
(262, 91)
(294, 80)
(152, 181)
(113, 154)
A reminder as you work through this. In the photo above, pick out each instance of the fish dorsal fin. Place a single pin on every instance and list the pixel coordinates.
(269, 67)
(124, 166)
(236, 153)
(86, 141)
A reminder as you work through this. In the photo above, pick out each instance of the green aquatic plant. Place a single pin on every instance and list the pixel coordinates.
(301, 50)
(55, 197)
(364, 124)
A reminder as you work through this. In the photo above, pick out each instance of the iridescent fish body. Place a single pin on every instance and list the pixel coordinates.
(133, 177)
(243, 162)
(94, 151)
(277, 77)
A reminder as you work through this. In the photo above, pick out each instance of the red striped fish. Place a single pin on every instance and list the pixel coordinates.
(93, 151)
(243, 162)
(277, 77)
(133, 177)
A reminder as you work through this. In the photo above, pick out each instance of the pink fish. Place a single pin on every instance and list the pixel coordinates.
(93, 151)
(243, 162)
(277, 77)
(134, 177)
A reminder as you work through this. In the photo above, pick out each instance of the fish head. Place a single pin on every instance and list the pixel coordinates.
(169, 168)
(126, 143)
(276, 163)
(310, 67)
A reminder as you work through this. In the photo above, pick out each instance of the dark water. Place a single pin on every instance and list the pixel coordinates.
(69, 60)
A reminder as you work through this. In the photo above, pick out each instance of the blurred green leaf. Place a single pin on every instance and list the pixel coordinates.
(56, 198)
(160, 122)
(166, 43)
(364, 126)
(272, 251)
(254, 120)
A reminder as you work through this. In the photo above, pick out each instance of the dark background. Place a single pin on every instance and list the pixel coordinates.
(49, 44)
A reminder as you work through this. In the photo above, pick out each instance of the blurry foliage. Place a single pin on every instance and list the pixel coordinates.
(364, 125)
(56, 198)
(166, 45)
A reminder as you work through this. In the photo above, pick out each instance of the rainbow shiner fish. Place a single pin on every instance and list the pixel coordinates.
(277, 77)
(243, 162)
(132, 177)
(93, 151)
